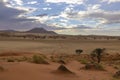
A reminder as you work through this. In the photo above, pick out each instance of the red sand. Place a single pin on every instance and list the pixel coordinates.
(31, 71)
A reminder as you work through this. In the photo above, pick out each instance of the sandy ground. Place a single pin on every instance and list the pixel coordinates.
(59, 46)
(30, 71)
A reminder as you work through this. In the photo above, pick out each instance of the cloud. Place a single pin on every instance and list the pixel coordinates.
(66, 1)
(32, 2)
(73, 31)
(94, 13)
(13, 12)
(64, 20)
(108, 17)
(82, 27)
(18, 2)
(15, 17)
(111, 1)
(42, 15)
(47, 8)
(95, 7)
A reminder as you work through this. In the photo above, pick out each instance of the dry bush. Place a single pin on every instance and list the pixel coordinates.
(21, 59)
(78, 51)
(94, 66)
(38, 59)
(97, 53)
(11, 60)
(83, 61)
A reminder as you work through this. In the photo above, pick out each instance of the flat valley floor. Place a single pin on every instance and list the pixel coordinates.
(59, 46)
(19, 66)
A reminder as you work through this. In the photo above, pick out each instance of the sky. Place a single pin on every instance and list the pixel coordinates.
(72, 17)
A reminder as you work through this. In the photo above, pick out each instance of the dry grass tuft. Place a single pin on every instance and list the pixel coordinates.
(10, 60)
(94, 66)
(83, 61)
(38, 59)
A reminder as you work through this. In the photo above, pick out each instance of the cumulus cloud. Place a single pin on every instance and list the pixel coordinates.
(64, 20)
(108, 17)
(47, 8)
(95, 7)
(14, 18)
(13, 12)
(73, 31)
(32, 2)
(111, 1)
(94, 12)
(68, 16)
(66, 1)
(42, 15)
(82, 27)
(18, 2)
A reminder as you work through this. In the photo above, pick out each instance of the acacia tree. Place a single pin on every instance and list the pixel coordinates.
(97, 53)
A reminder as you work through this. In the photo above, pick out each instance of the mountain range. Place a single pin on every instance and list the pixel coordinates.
(34, 30)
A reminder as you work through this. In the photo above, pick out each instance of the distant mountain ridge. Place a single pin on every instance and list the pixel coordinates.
(40, 30)
(8, 31)
(34, 30)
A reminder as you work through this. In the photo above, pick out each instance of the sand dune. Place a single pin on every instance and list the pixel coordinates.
(31, 71)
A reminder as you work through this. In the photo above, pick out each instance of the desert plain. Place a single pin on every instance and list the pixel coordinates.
(19, 59)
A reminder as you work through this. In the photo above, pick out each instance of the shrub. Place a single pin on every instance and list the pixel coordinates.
(24, 58)
(97, 53)
(78, 51)
(39, 60)
(10, 60)
(94, 66)
(83, 61)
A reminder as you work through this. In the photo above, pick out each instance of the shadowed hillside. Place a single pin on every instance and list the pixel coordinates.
(40, 30)
(34, 30)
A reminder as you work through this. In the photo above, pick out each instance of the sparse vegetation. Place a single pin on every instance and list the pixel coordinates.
(83, 61)
(94, 66)
(96, 53)
(10, 60)
(24, 58)
(39, 59)
(17, 59)
(78, 51)
(67, 52)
